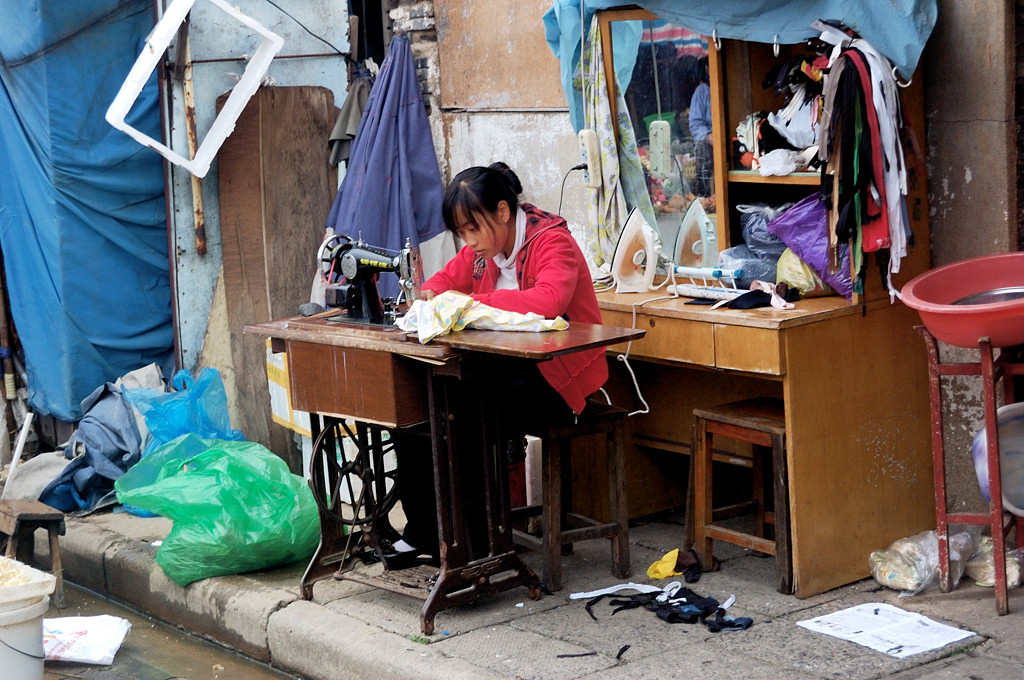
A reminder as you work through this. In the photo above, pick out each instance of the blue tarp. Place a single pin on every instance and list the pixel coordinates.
(898, 29)
(392, 191)
(82, 216)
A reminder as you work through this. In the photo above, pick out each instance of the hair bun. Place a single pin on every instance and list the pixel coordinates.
(508, 174)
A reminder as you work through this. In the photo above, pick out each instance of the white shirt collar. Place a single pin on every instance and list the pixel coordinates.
(507, 265)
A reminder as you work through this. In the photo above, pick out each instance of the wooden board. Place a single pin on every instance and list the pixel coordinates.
(494, 56)
(276, 187)
(361, 384)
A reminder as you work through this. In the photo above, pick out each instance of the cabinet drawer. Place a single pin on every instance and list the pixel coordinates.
(375, 387)
(756, 350)
(667, 339)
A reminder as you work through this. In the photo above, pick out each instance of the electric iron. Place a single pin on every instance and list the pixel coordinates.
(695, 257)
(636, 255)
(696, 241)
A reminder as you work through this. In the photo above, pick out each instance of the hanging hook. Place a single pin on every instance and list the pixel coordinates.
(775, 45)
(896, 78)
(714, 39)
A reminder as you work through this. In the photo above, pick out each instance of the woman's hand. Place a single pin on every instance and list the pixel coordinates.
(426, 294)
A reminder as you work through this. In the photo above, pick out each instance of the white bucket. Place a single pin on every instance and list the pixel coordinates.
(21, 640)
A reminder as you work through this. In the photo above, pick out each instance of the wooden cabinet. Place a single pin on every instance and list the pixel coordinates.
(857, 448)
(737, 71)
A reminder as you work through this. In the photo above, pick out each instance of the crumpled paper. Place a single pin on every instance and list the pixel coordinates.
(453, 311)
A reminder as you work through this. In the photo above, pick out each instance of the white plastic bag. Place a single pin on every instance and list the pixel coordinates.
(982, 568)
(912, 564)
(84, 639)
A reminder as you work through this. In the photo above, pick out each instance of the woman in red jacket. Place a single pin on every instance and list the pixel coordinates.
(518, 258)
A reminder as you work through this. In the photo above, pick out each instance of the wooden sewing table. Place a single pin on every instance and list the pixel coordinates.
(854, 382)
(382, 377)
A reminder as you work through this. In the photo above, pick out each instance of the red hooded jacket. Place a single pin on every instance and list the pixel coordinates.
(554, 280)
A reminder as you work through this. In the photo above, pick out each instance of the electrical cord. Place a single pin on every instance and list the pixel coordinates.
(561, 194)
(624, 358)
(305, 28)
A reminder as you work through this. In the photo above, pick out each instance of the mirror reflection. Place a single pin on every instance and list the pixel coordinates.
(669, 103)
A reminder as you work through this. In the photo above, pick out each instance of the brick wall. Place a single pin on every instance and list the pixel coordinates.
(416, 18)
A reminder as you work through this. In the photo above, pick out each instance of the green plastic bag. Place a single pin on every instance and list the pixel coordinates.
(235, 506)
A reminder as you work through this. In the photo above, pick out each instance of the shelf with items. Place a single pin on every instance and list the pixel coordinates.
(743, 80)
(804, 179)
(739, 71)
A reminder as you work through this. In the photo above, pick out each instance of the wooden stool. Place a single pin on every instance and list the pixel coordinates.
(760, 422)
(19, 520)
(596, 418)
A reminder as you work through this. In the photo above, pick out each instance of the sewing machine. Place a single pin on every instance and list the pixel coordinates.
(353, 268)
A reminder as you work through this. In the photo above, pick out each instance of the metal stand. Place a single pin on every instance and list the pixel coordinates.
(992, 370)
(456, 392)
(353, 495)
(349, 530)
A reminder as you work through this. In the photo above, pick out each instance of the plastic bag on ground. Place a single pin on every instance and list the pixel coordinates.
(84, 639)
(105, 444)
(982, 567)
(199, 407)
(235, 506)
(912, 564)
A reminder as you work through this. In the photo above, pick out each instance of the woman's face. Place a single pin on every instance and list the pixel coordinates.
(486, 233)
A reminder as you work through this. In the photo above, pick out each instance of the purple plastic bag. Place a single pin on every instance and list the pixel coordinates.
(804, 230)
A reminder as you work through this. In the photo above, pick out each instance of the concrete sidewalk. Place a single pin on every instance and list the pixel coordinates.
(352, 631)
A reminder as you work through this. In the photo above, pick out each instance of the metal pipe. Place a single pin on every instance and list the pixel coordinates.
(17, 453)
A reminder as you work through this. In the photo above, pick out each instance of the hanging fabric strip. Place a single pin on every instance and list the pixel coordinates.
(622, 177)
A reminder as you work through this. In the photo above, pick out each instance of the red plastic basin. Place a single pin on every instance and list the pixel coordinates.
(933, 293)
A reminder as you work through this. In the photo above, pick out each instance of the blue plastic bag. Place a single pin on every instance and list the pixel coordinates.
(199, 407)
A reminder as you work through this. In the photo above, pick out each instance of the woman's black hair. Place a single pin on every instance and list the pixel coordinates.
(479, 190)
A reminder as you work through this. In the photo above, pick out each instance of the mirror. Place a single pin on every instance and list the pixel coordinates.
(668, 100)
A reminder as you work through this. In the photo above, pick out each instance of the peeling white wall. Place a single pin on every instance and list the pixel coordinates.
(539, 146)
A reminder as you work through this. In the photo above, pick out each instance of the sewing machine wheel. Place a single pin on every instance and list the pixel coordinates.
(347, 486)
(326, 253)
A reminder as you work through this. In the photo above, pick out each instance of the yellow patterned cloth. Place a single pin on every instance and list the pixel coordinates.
(452, 311)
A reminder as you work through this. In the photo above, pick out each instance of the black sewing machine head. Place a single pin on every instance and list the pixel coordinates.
(353, 269)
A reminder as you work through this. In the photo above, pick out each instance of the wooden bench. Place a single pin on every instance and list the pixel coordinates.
(19, 520)
(760, 422)
(560, 527)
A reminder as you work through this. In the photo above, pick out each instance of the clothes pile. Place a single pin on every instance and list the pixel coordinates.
(785, 141)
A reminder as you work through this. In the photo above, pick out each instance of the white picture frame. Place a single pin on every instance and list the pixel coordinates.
(156, 45)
